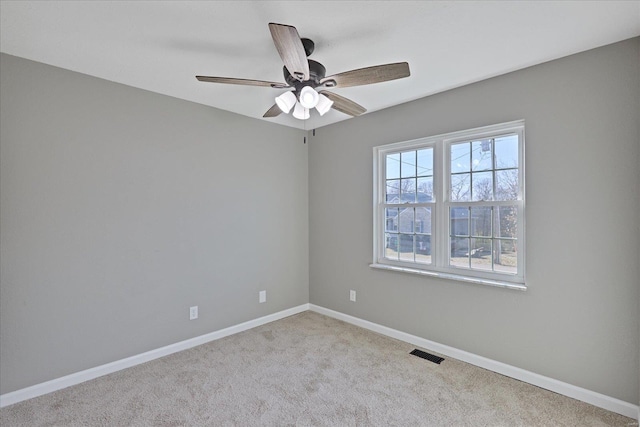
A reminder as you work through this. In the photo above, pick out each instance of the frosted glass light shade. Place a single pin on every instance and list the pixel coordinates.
(286, 101)
(324, 104)
(309, 97)
(300, 112)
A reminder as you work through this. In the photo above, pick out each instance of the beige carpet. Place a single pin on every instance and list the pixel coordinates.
(305, 370)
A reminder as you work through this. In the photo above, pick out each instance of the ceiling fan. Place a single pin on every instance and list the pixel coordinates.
(305, 76)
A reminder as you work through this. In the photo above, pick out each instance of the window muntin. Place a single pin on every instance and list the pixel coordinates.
(483, 236)
(453, 204)
(408, 205)
(409, 176)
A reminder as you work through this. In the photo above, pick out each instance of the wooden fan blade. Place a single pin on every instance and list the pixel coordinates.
(273, 111)
(343, 104)
(245, 82)
(369, 75)
(291, 50)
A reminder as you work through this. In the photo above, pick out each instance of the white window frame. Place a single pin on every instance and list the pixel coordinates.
(440, 207)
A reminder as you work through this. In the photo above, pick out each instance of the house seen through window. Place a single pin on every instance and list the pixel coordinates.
(453, 205)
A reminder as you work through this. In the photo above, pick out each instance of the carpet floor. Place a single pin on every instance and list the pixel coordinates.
(305, 370)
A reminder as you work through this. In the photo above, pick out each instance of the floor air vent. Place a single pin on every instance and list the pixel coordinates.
(425, 355)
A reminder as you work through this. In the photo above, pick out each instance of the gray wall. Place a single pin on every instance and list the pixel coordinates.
(578, 321)
(121, 208)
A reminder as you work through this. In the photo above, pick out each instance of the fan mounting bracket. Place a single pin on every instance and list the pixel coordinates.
(309, 46)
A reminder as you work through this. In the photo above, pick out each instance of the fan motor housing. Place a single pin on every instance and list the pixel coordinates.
(317, 72)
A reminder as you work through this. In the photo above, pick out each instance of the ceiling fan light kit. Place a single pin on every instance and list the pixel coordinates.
(309, 97)
(305, 75)
(286, 101)
(300, 112)
(324, 104)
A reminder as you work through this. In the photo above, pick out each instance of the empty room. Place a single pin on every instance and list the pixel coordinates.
(319, 213)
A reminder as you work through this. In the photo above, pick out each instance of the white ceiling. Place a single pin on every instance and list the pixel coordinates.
(161, 45)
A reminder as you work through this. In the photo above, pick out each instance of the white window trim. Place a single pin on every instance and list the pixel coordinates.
(440, 206)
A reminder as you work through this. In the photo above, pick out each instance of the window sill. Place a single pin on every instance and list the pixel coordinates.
(449, 276)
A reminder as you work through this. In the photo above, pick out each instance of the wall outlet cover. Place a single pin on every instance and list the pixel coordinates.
(352, 295)
(193, 312)
(263, 297)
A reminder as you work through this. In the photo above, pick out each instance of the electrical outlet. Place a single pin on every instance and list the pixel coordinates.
(193, 312)
(352, 295)
(262, 296)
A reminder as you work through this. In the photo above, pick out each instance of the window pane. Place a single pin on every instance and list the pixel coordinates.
(391, 246)
(482, 186)
(393, 166)
(507, 184)
(507, 222)
(481, 221)
(425, 189)
(406, 220)
(477, 190)
(408, 190)
(391, 221)
(460, 187)
(425, 162)
(482, 155)
(459, 221)
(460, 157)
(460, 252)
(406, 247)
(480, 254)
(393, 191)
(423, 220)
(423, 248)
(408, 164)
(506, 149)
(505, 256)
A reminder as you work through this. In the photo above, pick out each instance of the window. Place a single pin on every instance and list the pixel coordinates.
(453, 205)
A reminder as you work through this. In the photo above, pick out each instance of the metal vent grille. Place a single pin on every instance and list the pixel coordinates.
(428, 356)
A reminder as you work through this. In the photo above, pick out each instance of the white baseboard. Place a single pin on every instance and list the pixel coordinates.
(89, 374)
(588, 396)
(600, 400)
